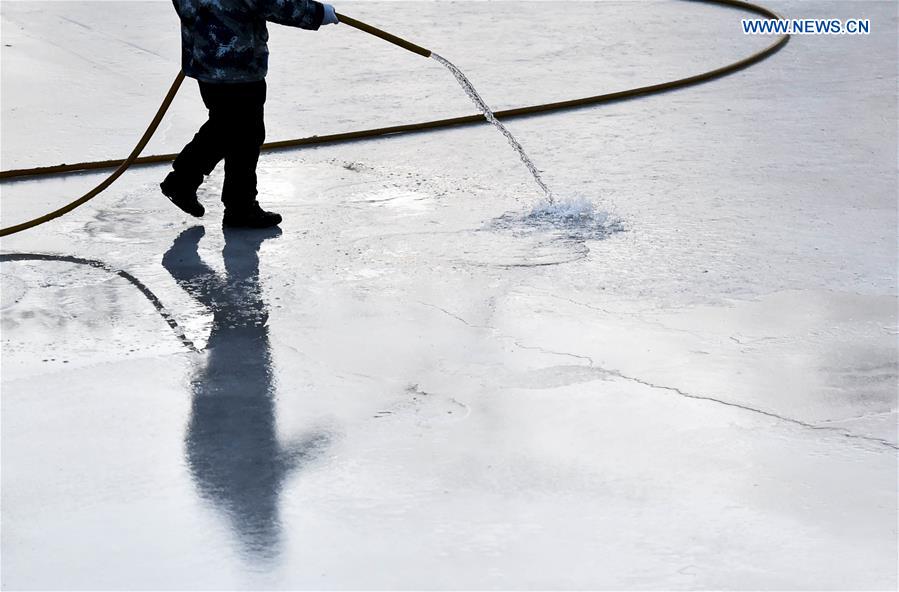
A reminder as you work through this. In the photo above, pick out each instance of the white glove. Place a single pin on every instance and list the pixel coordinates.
(330, 15)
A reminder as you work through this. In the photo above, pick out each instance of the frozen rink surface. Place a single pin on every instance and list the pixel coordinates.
(416, 385)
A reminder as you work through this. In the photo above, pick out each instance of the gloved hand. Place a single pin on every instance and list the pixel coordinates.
(330, 15)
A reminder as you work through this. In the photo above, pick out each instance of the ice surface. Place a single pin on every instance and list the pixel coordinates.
(431, 387)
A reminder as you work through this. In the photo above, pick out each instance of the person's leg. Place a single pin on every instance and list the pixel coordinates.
(201, 154)
(247, 133)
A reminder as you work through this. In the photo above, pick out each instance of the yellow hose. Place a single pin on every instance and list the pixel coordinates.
(384, 35)
(134, 158)
(123, 166)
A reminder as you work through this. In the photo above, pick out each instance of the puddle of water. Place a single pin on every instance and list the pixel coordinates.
(394, 254)
(13, 290)
(397, 199)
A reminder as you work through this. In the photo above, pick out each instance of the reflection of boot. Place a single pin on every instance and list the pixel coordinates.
(184, 248)
(250, 216)
(247, 238)
(241, 252)
(182, 194)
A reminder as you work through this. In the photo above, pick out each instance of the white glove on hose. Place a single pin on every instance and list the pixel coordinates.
(330, 15)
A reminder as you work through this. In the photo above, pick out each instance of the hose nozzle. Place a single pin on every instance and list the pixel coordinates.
(384, 35)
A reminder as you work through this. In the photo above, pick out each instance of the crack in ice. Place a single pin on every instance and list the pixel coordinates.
(617, 374)
(771, 414)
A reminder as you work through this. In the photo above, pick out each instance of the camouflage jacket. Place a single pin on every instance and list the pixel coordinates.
(225, 40)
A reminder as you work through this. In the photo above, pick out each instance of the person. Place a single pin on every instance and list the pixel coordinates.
(223, 47)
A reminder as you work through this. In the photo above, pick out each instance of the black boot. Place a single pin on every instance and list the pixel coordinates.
(183, 196)
(250, 216)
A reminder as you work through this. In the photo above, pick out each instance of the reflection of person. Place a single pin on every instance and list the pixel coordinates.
(223, 46)
(232, 448)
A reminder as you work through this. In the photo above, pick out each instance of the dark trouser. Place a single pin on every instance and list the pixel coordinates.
(234, 132)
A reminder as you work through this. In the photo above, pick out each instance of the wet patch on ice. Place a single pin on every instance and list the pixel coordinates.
(426, 407)
(356, 167)
(496, 250)
(77, 296)
(13, 288)
(59, 275)
(126, 221)
(557, 376)
(399, 200)
(576, 219)
(467, 247)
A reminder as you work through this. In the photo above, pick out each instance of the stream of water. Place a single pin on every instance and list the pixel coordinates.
(472, 93)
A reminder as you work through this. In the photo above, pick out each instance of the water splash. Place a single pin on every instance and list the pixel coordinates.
(576, 219)
(472, 93)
